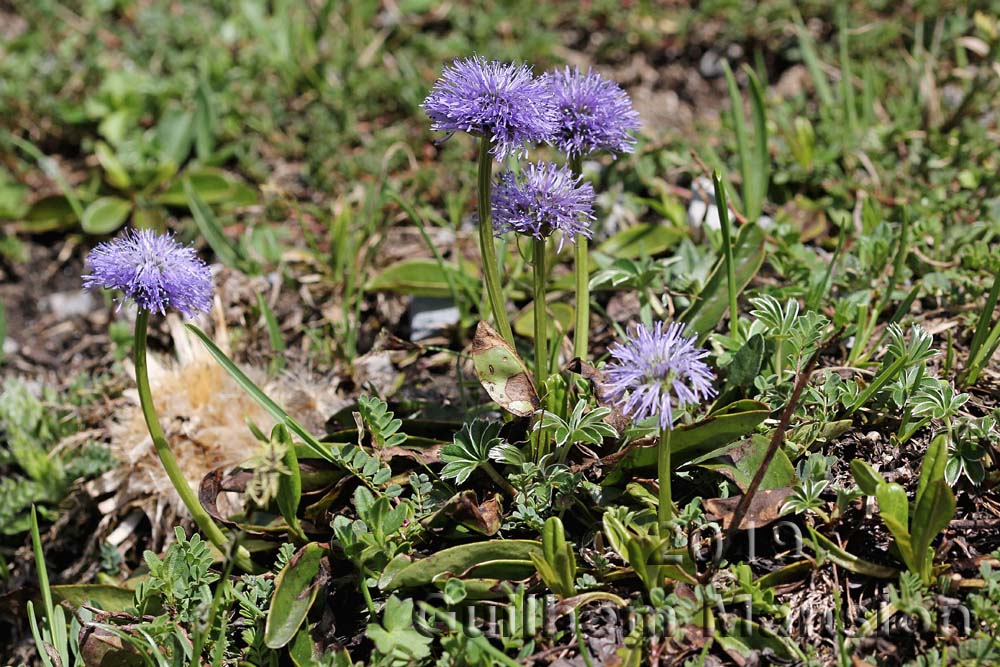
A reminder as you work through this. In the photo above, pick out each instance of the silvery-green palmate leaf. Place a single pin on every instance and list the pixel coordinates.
(470, 449)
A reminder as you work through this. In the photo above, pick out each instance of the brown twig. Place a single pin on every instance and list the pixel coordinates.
(772, 449)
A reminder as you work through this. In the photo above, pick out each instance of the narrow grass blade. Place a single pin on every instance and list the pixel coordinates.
(43, 574)
(37, 635)
(981, 335)
(761, 168)
(708, 309)
(52, 170)
(985, 354)
(885, 375)
(846, 74)
(274, 337)
(814, 65)
(822, 289)
(210, 228)
(3, 328)
(742, 140)
(456, 290)
(727, 253)
(258, 395)
(868, 95)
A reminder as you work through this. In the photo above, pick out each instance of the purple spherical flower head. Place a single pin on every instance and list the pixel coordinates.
(154, 271)
(502, 102)
(657, 371)
(594, 113)
(543, 199)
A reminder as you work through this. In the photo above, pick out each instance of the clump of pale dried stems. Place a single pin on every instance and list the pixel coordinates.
(204, 414)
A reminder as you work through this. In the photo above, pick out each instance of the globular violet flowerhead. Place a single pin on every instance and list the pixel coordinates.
(657, 371)
(153, 270)
(543, 199)
(594, 113)
(502, 102)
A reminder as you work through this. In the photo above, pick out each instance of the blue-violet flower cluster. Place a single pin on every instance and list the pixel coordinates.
(543, 199)
(657, 371)
(594, 113)
(153, 270)
(501, 102)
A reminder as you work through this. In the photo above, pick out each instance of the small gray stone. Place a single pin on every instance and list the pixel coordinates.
(710, 64)
(428, 315)
(65, 305)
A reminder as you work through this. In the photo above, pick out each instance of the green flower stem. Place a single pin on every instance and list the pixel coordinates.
(581, 332)
(581, 270)
(491, 269)
(541, 349)
(167, 458)
(665, 511)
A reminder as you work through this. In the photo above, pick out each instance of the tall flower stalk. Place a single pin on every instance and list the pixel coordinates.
(508, 109)
(542, 200)
(594, 114)
(581, 279)
(654, 373)
(491, 267)
(541, 316)
(157, 273)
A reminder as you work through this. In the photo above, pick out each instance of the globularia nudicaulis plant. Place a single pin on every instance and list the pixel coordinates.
(655, 373)
(508, 109)
(157, 274)
(398, 534)
(594, 115)
(543, 200)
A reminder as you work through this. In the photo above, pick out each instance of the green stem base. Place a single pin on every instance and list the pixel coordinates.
(581, 271)
(166, 455)
(665, 510)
